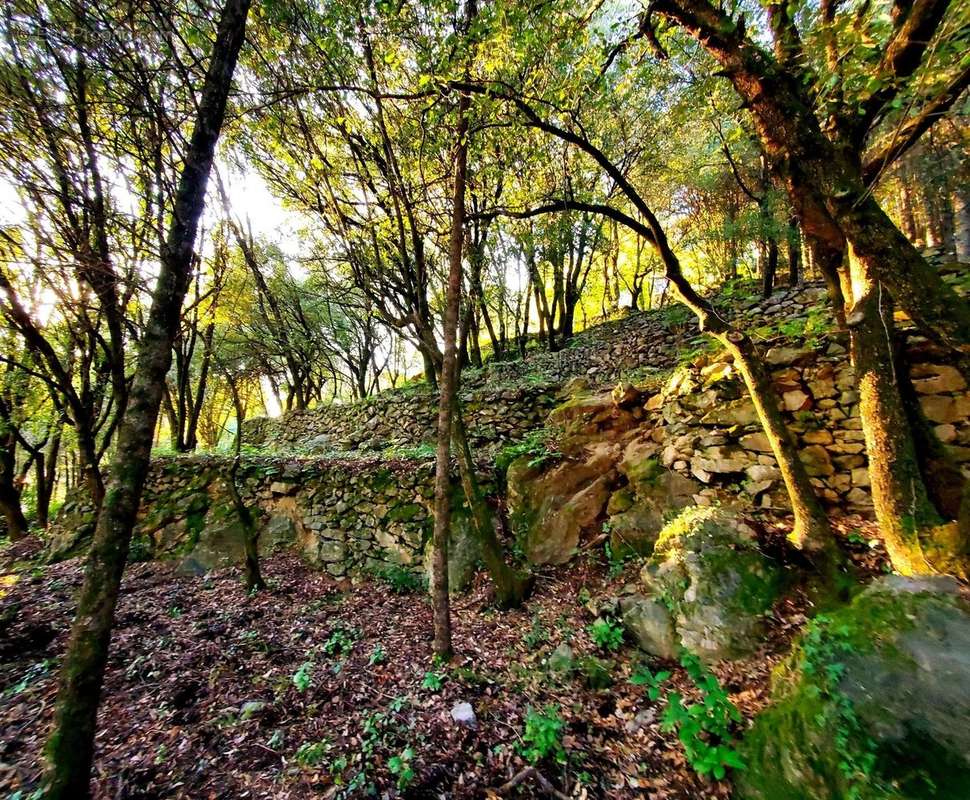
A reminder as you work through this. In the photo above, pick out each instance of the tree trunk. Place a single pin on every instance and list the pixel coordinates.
(511, 586)
(961, 223)
(915, 535)
(794, 240)
(446, 400)
(828, 260)
(252, 575)
(70, 749)
(770, 269)
(811, 532)
(17, 526)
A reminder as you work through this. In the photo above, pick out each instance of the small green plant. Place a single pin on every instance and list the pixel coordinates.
(175, 612)
(542, 737)
(377, 655)
(33, 673)
(642, 676)
(433, 681)
(401, 767)
(607, 634)
(537, 635)
(340, 641)
(302, 677)
(400, 580)
(615, 561)
(275, 741)
(704, 728)
(537, 445)
(310, 754)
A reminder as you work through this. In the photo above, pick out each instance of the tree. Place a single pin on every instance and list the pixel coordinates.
(815, 122)
(70, 748)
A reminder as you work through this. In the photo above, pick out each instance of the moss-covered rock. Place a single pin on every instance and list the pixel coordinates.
(707, 570)
(873, 704)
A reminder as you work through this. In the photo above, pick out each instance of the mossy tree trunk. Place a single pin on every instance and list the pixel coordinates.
(916, 537)
(253, 576)
(70, 749)
(511, 586)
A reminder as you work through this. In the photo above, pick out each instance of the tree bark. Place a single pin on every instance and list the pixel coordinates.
(17, 526)
(70, 749)
(446, 399)
(915, 535)
(794, 240)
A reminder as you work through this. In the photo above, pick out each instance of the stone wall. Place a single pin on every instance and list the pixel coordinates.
(710, 431)
(405, 418)
(506, 400)
(621, 461)
(342, 515)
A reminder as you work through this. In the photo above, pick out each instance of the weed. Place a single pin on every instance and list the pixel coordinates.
(433, 681)
(607, 634)
(536, 444)
(310, 754)
(400, 580)
(704, 728)
(301, 678)
(537, 635)
(377, 655)
(642, 676)
(400, 766)
(341, 641)
(542, 737)
(33, 673)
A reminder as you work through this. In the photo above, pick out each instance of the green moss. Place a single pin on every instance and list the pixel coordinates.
(404, 513)
(646, 472)
(812, 743)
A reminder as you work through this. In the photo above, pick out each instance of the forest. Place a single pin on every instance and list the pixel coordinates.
(484, 399)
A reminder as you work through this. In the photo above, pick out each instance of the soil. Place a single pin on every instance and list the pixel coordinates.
(321, 688)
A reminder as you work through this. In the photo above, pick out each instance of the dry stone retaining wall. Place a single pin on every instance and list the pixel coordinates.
(342, 515)
(401, 419)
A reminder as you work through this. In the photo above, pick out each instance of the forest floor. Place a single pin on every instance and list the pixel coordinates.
(322, 688)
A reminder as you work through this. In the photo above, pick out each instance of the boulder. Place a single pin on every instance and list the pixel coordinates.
(937, 379)
(736, 412)
(650, 624)
(873, 703)
(551, 509)
(707, 570)
(786, 356)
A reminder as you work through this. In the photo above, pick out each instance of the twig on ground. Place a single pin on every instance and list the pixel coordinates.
(531, 772)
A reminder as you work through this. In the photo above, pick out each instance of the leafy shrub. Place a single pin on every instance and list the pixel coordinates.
(607, 634)
(433, 681)
(536, 444)
(537, 634)
(704, 728)
(340, 641)
(642, 676)
(139, 550)
(542, 737)
(377, 655)
(400, 766)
